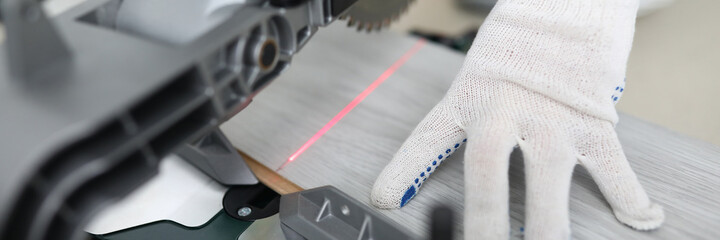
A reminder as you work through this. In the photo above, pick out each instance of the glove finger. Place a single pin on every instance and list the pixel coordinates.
(549, 165)
(432, 141)
(486, 181)
(603, 157)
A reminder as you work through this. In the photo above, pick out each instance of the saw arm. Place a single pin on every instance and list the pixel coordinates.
(91, 101)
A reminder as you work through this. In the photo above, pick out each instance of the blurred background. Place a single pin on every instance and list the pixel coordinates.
(673, 77)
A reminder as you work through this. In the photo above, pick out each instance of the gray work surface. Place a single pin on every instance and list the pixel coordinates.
(679, 173)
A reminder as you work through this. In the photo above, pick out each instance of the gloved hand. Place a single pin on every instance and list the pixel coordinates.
(543, 75)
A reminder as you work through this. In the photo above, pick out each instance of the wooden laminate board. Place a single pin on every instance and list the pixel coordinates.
(680, 173)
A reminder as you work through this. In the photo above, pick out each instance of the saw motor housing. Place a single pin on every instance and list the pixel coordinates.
(94, 98)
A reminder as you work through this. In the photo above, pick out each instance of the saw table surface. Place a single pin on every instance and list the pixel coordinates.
(680, 173)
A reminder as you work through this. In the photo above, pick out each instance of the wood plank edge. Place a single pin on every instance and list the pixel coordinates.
(269, 177)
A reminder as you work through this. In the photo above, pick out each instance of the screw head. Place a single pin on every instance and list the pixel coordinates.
(345, 210)
(244, 211)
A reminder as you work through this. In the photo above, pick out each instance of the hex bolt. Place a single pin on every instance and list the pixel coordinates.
(244, 211)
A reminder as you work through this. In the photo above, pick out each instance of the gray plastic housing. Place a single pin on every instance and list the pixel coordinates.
(326, 213)
(217, 157)
(87, 109)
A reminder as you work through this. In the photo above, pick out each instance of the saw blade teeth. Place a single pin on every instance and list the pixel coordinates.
(375, 15)
(360, 26)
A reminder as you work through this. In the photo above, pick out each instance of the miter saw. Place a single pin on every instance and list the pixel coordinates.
(94, 98)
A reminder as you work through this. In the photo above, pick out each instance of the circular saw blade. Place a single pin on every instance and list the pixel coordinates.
(374, 14)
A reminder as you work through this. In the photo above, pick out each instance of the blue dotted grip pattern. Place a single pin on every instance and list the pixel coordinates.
(432, 166)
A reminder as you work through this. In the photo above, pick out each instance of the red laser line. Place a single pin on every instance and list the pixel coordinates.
(360, 97)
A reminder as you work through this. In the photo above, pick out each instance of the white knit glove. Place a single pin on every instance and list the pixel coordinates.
(542, 75)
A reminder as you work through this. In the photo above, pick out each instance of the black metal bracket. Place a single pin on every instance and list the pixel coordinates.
(249, 203)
